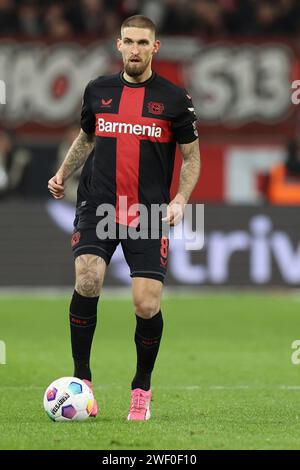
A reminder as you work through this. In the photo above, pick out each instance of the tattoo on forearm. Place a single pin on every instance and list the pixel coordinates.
(190, 169)
(77, 153)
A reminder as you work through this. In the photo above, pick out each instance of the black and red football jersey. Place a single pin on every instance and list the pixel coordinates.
(136, 128)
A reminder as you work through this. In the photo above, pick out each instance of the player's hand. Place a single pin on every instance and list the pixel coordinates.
(56, 186)
(175, 210)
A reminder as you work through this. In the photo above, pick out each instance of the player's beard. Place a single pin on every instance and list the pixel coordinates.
(136, 69)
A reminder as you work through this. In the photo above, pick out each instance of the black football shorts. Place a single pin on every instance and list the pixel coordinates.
(146, 257)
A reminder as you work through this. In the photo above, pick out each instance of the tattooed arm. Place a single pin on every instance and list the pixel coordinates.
(189, 176)
(75, 158)
(190, 169)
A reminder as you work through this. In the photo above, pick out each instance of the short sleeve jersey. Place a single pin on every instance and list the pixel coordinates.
(136, 127)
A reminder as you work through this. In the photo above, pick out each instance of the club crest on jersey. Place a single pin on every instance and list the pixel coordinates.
(106, 103)
(155, 108)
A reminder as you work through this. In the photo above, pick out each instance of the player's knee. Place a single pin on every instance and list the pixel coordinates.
(146, 308)
(88, 286)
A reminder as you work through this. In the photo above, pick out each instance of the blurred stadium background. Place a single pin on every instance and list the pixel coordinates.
(238, 60)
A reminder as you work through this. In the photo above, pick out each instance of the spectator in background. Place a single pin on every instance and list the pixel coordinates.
(209, 17)
(289, 21)
(267, 13)
(178, 17)
(29, 21)
(129, 7)
(94, 17)
(56, 24)
(59, 19)
(292, 163)
(238, 16)
(284, 179)
(270, 17)
(8, 17)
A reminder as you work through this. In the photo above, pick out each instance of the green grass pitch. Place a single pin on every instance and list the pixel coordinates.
(224, 377)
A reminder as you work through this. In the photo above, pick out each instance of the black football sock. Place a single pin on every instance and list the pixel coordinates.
(83, 319)
(148, 334)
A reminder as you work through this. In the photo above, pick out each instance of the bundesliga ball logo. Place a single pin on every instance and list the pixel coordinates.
(68, 399)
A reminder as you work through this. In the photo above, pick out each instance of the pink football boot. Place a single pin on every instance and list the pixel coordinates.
(95, 408)
(139, 405)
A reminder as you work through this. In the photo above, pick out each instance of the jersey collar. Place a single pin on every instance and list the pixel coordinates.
(136, 85)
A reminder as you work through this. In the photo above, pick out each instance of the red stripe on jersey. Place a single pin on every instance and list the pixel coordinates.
(129, 127)
(128, 156)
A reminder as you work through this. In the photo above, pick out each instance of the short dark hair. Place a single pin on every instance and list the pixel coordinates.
(138, 21)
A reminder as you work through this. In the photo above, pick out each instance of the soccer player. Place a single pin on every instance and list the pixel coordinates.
(130, 124)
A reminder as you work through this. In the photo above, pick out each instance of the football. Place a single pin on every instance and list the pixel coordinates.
(68, 399)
